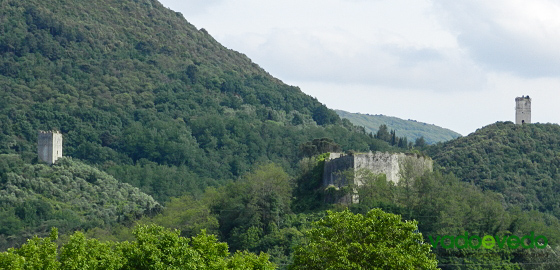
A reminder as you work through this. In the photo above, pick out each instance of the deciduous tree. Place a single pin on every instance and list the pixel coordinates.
(377, 240)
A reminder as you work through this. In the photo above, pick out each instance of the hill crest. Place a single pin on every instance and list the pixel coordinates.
(411, 129)
(522, 162)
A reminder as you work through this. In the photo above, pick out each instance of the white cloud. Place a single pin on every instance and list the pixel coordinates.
(333, 55)
(516, 36)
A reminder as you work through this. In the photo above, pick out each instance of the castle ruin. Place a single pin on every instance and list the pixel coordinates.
(522, 110)
(391, 165)
(49, 146)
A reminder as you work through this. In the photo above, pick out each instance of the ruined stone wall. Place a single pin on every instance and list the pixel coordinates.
(418, 164)
(339, 168)
(378, 163)
(335, 166)
(49, 146)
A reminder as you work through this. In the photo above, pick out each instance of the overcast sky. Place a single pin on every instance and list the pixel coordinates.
(457, 64)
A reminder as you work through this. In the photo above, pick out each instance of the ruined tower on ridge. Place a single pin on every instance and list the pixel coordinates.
(49, 146)
(522, 110)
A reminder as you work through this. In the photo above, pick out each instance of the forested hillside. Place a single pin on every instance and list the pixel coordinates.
(138, 91)
(520, 161)
(143, 95)
(266, 211)
(68, 195)
(405, 128)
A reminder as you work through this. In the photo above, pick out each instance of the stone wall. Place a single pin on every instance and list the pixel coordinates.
(380, 163)
(335, 166)
(338, 166)
(49, 146)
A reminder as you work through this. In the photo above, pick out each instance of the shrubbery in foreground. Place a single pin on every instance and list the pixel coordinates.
(154, 248)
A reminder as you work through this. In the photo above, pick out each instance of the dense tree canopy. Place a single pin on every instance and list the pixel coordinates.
(69, 195)
(154, 248)
(444, 205)
(143, 95)
(137, 90)
(376, 240)
(522, 162)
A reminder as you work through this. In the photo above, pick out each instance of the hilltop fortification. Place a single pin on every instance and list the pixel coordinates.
(389, 164)
(522, 110)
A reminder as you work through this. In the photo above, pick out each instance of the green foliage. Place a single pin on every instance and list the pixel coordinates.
(377, 240)
(410, 129)
(81, 253)
(254, 206)
(158, 248)
(37, 253)
(308, 192)
(244, 260)
(244, 215)
(143, 95)
(517, 168)
(319, 146)
(375, 191)
(383, 133)
(133, 87)
(154, 248)
(444, 205)
(188, 215)
(420, 142)
(519, 161)
(251, 214)
(478, 259)
(391, 138)
(68, 195)
(160, 181)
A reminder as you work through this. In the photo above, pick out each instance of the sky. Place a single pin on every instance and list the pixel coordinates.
(457, 64)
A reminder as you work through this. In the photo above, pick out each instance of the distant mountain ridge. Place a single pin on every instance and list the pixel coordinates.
(404, 128)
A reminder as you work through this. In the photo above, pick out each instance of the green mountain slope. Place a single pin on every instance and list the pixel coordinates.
(404, 128)
(138, 91)
(69, 195)
(520, 162)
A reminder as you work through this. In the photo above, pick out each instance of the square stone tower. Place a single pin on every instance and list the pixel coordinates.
(522, 110)
(49, 146)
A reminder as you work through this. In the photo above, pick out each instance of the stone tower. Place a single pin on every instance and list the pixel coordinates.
(522, 110)
(49, 146)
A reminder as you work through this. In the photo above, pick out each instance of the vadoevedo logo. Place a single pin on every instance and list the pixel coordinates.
(489, 242)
